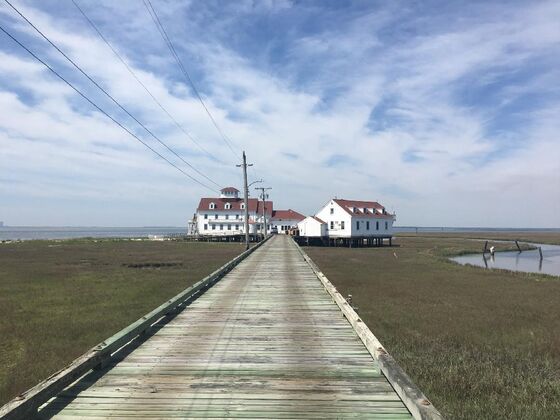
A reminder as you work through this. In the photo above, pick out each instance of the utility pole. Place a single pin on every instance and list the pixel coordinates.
(246, 188)
(264, 196)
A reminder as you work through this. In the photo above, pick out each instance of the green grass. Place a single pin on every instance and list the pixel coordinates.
(481, 344)
(60, 298)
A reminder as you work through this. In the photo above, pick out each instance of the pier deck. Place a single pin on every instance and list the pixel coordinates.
(266, 341)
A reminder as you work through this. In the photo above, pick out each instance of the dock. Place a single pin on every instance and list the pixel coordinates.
(347, 241)
(271, 338)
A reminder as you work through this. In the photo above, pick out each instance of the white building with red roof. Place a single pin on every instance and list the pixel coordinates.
(356, 218)
(225, 215)
(284, 220)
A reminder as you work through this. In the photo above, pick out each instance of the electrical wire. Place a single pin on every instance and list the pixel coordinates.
(99, 108)
(155, 18)
(108, 94)
(123, 61)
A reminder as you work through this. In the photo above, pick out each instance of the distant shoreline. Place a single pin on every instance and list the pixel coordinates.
(12, 233)
(26, 233)
(470, 229)
(424, 228)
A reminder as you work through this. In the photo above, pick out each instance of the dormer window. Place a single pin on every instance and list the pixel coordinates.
(228, 206)
(212, 206)
(365, 210)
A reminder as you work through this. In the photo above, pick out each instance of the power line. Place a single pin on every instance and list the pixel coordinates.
(108, 94)
(123, 61)
(99, 108)
(155, 18)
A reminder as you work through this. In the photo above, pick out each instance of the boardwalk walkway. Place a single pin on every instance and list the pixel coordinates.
(266, 341)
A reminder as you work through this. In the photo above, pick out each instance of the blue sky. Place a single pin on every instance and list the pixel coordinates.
(446, 113)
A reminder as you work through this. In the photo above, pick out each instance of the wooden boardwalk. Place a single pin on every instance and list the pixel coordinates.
(266, 341)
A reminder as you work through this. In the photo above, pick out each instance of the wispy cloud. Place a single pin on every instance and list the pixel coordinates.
(449, 115)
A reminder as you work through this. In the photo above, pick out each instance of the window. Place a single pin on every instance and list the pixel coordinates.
(242, 206)
(228, 227)
(205, 227)
(365, 210)
(357, 225)
(332, 210)
(221, 227)
(342, 225)
(228, 206)
(213, 227)
(227, 216)
(212, 206)
(386, 225)
(206, 216)
(236, 227)
(332, 224)
(367, 225)
(237, 216)
(376, 225)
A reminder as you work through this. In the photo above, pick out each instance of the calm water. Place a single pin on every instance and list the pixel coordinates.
(527, 261)
(435, 229)
(33, 232)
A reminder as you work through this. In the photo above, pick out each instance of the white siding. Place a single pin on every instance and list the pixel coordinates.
(237, 225)
(338, 222)
(373, 221)
(312, 227)
(284, 222)
(337, 215)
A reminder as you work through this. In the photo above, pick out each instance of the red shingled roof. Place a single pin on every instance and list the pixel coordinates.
(254, 205)
(359, 206)
(319, 220)
(287, 215)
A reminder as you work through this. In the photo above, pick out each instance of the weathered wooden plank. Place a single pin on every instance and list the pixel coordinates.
(266, 341)
(30, 400)
(412, 396)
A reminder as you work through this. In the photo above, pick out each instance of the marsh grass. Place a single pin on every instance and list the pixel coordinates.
(481, 344)
(547, 237)
(60, 298)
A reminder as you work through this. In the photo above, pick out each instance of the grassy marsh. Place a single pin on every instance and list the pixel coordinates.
(480, 343)
(60, 298)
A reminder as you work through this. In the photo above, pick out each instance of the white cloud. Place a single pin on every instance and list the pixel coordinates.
(428, 155)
